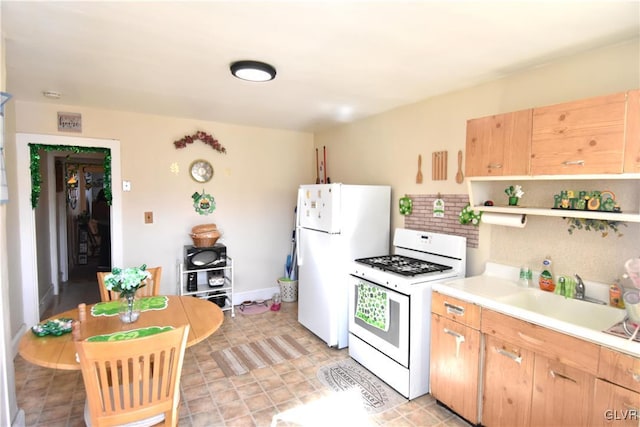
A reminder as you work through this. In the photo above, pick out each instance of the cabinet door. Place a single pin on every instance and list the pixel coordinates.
(508, 384)
(632, 145)
(619, 368)
(582, 137)
(499, 145)
(561, 394)
(615, 405)
(455, 358)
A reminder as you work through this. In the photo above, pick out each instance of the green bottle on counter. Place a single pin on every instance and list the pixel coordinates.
(546, 276)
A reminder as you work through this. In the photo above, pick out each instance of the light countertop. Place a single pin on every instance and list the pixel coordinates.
(499, 282)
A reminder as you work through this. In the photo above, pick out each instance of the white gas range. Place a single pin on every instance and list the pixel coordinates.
(390, 306)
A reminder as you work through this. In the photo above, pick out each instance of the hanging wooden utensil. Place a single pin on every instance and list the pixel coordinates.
(439, 166)
(459, 175)
(324, 148)
(317, 170)
(434, 165)
(419, 176)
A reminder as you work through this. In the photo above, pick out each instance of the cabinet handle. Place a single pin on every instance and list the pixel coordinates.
(512, 356)
(634, 375)
(453, 333)
(573, 163)
(530, 339)
(562, 376)
(454, 309)
(494, 165)
(459, 339)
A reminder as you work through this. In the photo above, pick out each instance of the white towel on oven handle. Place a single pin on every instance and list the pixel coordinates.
(372, 306)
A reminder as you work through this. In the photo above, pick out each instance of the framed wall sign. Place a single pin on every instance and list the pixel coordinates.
(69, 122)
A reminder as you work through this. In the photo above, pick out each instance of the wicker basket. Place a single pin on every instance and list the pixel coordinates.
(203, 228)
(204, 240)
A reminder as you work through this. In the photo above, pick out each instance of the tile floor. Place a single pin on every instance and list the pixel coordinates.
(56, 398)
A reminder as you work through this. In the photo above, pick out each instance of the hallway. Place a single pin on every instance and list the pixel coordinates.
(82, 286)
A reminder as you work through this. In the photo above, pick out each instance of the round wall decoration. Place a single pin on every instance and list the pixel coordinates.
(201, 170)
(203, 203)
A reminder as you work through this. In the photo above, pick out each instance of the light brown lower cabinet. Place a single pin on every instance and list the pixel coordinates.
(562, 394)
(455, 363)
(508, 378)
(615, 406)
(515, 373)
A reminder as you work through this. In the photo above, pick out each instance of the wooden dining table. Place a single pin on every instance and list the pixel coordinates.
(203, 317)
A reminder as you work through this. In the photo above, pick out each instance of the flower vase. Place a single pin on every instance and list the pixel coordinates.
(513, 201)
(129, 308)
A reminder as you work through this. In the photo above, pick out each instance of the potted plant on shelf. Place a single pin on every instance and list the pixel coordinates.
(514, 193)
(126, 282)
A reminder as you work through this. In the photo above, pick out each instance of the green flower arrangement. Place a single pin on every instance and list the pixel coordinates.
(469, 216)
(126, 281)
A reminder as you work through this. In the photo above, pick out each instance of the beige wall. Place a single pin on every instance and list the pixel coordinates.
(8, 402)
(384, 150)
(254, 187)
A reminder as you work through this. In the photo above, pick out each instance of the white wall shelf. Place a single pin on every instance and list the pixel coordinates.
(539, 191)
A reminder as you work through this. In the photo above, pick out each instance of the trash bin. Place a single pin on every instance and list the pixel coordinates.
(288, 289)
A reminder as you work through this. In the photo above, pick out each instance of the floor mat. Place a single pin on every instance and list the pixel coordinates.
(243, 358)
(348, 374)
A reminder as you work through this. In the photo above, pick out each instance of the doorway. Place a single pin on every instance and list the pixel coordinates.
(83, 244)
(36, 260)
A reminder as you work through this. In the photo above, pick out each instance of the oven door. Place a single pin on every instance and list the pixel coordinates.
(389, 334)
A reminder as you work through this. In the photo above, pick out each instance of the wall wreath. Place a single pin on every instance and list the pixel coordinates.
(202, 136)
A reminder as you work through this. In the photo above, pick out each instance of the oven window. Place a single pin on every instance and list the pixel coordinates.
(392, 336)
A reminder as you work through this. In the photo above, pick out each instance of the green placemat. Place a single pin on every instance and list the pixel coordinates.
(111, 308)
(129, 335)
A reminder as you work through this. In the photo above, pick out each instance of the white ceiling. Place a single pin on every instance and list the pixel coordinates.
(337, 61)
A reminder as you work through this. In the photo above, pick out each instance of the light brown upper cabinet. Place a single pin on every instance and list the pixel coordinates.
(580, 137)
(499, 145)
(632, 138)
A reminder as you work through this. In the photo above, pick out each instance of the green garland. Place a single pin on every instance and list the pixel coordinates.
(36, 177)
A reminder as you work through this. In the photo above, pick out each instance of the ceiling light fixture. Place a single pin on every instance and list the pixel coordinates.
(51, 94)
(253, 71)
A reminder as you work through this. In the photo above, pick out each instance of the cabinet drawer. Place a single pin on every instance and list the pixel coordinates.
(615, 405)
(555, 345)
(619, 368)
(456, 309)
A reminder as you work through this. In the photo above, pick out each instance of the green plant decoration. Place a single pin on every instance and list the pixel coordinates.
(36, 176)
(599, 225)
(469, 216)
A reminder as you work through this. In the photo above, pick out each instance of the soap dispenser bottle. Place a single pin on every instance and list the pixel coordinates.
(546, 276)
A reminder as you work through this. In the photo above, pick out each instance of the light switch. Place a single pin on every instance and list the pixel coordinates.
(148, 217)
(126, 185)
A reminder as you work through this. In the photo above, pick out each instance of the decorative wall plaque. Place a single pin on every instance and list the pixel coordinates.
(69, 122)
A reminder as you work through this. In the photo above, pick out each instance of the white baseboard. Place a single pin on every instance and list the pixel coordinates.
(15, 341)
(254, 295)
(19, 420)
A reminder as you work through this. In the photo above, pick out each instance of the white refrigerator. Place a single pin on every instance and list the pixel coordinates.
(336, 223)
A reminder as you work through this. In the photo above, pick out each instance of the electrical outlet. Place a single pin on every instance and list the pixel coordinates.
(148, 217)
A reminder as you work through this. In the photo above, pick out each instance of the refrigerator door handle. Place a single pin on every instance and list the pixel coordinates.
(298, 237)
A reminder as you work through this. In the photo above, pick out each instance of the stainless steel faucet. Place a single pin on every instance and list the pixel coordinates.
(579, 288)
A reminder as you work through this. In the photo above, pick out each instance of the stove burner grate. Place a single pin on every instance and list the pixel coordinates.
(403, 265)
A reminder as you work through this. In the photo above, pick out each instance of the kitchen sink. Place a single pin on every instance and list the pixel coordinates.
(580, 313)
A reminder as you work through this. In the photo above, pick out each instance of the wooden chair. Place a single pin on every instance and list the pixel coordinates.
(152, 287)
(144, 387)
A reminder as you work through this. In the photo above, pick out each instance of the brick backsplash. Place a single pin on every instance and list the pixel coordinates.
(422, 216)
